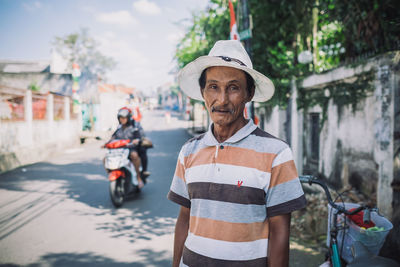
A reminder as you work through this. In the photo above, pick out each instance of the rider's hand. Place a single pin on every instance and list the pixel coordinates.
(135, 141)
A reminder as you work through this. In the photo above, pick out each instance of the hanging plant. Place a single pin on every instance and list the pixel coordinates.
(34, 87)
(342, 94)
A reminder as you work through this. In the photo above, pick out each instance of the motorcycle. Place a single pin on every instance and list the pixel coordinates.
(121, 172)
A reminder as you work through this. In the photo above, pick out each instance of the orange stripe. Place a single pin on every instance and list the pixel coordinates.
(204, 156)
(233, 156)
(283, 173)
(226, 231)
(180, 170)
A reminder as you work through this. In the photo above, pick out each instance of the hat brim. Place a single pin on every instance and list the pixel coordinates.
(188, 78)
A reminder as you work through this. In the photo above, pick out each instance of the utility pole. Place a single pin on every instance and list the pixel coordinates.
(245, 36)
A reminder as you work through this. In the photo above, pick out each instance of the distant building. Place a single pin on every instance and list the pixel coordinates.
(36, 117)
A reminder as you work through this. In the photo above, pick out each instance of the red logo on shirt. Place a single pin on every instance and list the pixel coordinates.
(240, 183)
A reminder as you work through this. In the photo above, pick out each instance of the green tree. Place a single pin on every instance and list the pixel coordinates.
(369, 26)
(332, 30)
(82, 49)
(208, 27)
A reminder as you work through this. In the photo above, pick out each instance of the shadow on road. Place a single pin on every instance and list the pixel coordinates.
(79, 177)
(91, 259)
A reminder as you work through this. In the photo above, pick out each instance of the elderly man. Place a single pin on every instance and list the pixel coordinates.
(237, 185)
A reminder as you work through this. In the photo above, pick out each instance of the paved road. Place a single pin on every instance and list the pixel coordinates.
(58, 213)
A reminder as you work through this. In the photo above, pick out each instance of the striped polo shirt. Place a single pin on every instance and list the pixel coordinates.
(231, 189)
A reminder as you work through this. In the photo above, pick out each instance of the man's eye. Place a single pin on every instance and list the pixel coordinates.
(212, 86)
(234, 87)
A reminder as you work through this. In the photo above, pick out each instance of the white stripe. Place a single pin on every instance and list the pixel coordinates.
(178, 186)
(225, 250)
(284, 156)
(193, 147)
(262, 144)
(285, 192)
(227, 212)
(227, 174)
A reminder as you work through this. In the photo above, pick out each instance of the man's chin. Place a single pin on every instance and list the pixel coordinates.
(220, 117)
(222, 121)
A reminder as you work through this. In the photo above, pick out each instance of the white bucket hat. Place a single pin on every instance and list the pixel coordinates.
(228, 53)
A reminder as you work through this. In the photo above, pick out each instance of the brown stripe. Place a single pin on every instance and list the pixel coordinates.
(233, 156)
(283, 173)
(227, 231)
(178, 199)
(191, 258)
(180, 170)
(287, 207)
(226, 193)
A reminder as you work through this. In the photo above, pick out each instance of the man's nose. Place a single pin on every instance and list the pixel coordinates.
(223, 96)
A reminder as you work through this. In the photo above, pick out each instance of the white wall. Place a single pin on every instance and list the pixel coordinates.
(110, 103)
(355, 130)
(29, 141)
(366, 134)
(274, 123)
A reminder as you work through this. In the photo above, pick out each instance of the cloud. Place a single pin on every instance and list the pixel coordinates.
(175, 37)
(146, 7)
(122, 17)
(32, 6)
(123, 51)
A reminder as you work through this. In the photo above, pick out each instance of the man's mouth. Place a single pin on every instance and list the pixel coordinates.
(221, 110)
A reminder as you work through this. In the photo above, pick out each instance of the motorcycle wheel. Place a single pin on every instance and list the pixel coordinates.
(117, 192)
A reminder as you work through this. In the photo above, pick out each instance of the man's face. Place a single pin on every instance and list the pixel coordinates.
(225, 95)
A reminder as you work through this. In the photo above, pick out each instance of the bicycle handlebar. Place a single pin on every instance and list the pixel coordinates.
(309, 179)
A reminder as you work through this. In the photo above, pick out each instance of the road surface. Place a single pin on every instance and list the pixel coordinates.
(58, 212)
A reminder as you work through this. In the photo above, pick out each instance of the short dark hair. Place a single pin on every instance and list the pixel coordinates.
(249, 81)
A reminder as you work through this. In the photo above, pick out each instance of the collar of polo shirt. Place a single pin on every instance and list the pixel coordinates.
(210, 140)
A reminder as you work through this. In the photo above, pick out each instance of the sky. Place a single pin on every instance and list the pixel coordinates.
(141, 35)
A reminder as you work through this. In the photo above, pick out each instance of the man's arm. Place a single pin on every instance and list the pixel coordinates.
(278, 240)
(181, 231)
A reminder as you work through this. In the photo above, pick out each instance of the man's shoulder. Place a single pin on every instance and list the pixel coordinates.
(261, 133)
(263, 141)
(192, 145)
(194, 139)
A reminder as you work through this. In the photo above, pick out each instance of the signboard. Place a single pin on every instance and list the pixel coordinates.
(246, 34)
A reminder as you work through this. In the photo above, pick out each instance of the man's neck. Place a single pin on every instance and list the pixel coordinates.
(223, 133)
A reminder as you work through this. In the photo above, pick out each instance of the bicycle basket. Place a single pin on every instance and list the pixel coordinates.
(372, 240)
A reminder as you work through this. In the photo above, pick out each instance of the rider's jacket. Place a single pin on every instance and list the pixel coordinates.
(131, 131)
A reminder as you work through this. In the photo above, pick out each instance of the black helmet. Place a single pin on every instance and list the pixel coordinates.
(125, 112)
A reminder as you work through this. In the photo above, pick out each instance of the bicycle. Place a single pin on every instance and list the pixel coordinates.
(362, 257)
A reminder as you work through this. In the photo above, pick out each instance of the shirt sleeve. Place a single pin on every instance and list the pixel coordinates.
(178, 192)
(284, 193)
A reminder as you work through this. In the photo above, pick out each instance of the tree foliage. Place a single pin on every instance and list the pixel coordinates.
(208, 27)
(82, 49)
(332, 30)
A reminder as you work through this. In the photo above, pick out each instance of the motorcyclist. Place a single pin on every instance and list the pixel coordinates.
(136, 118)
(127, 130)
